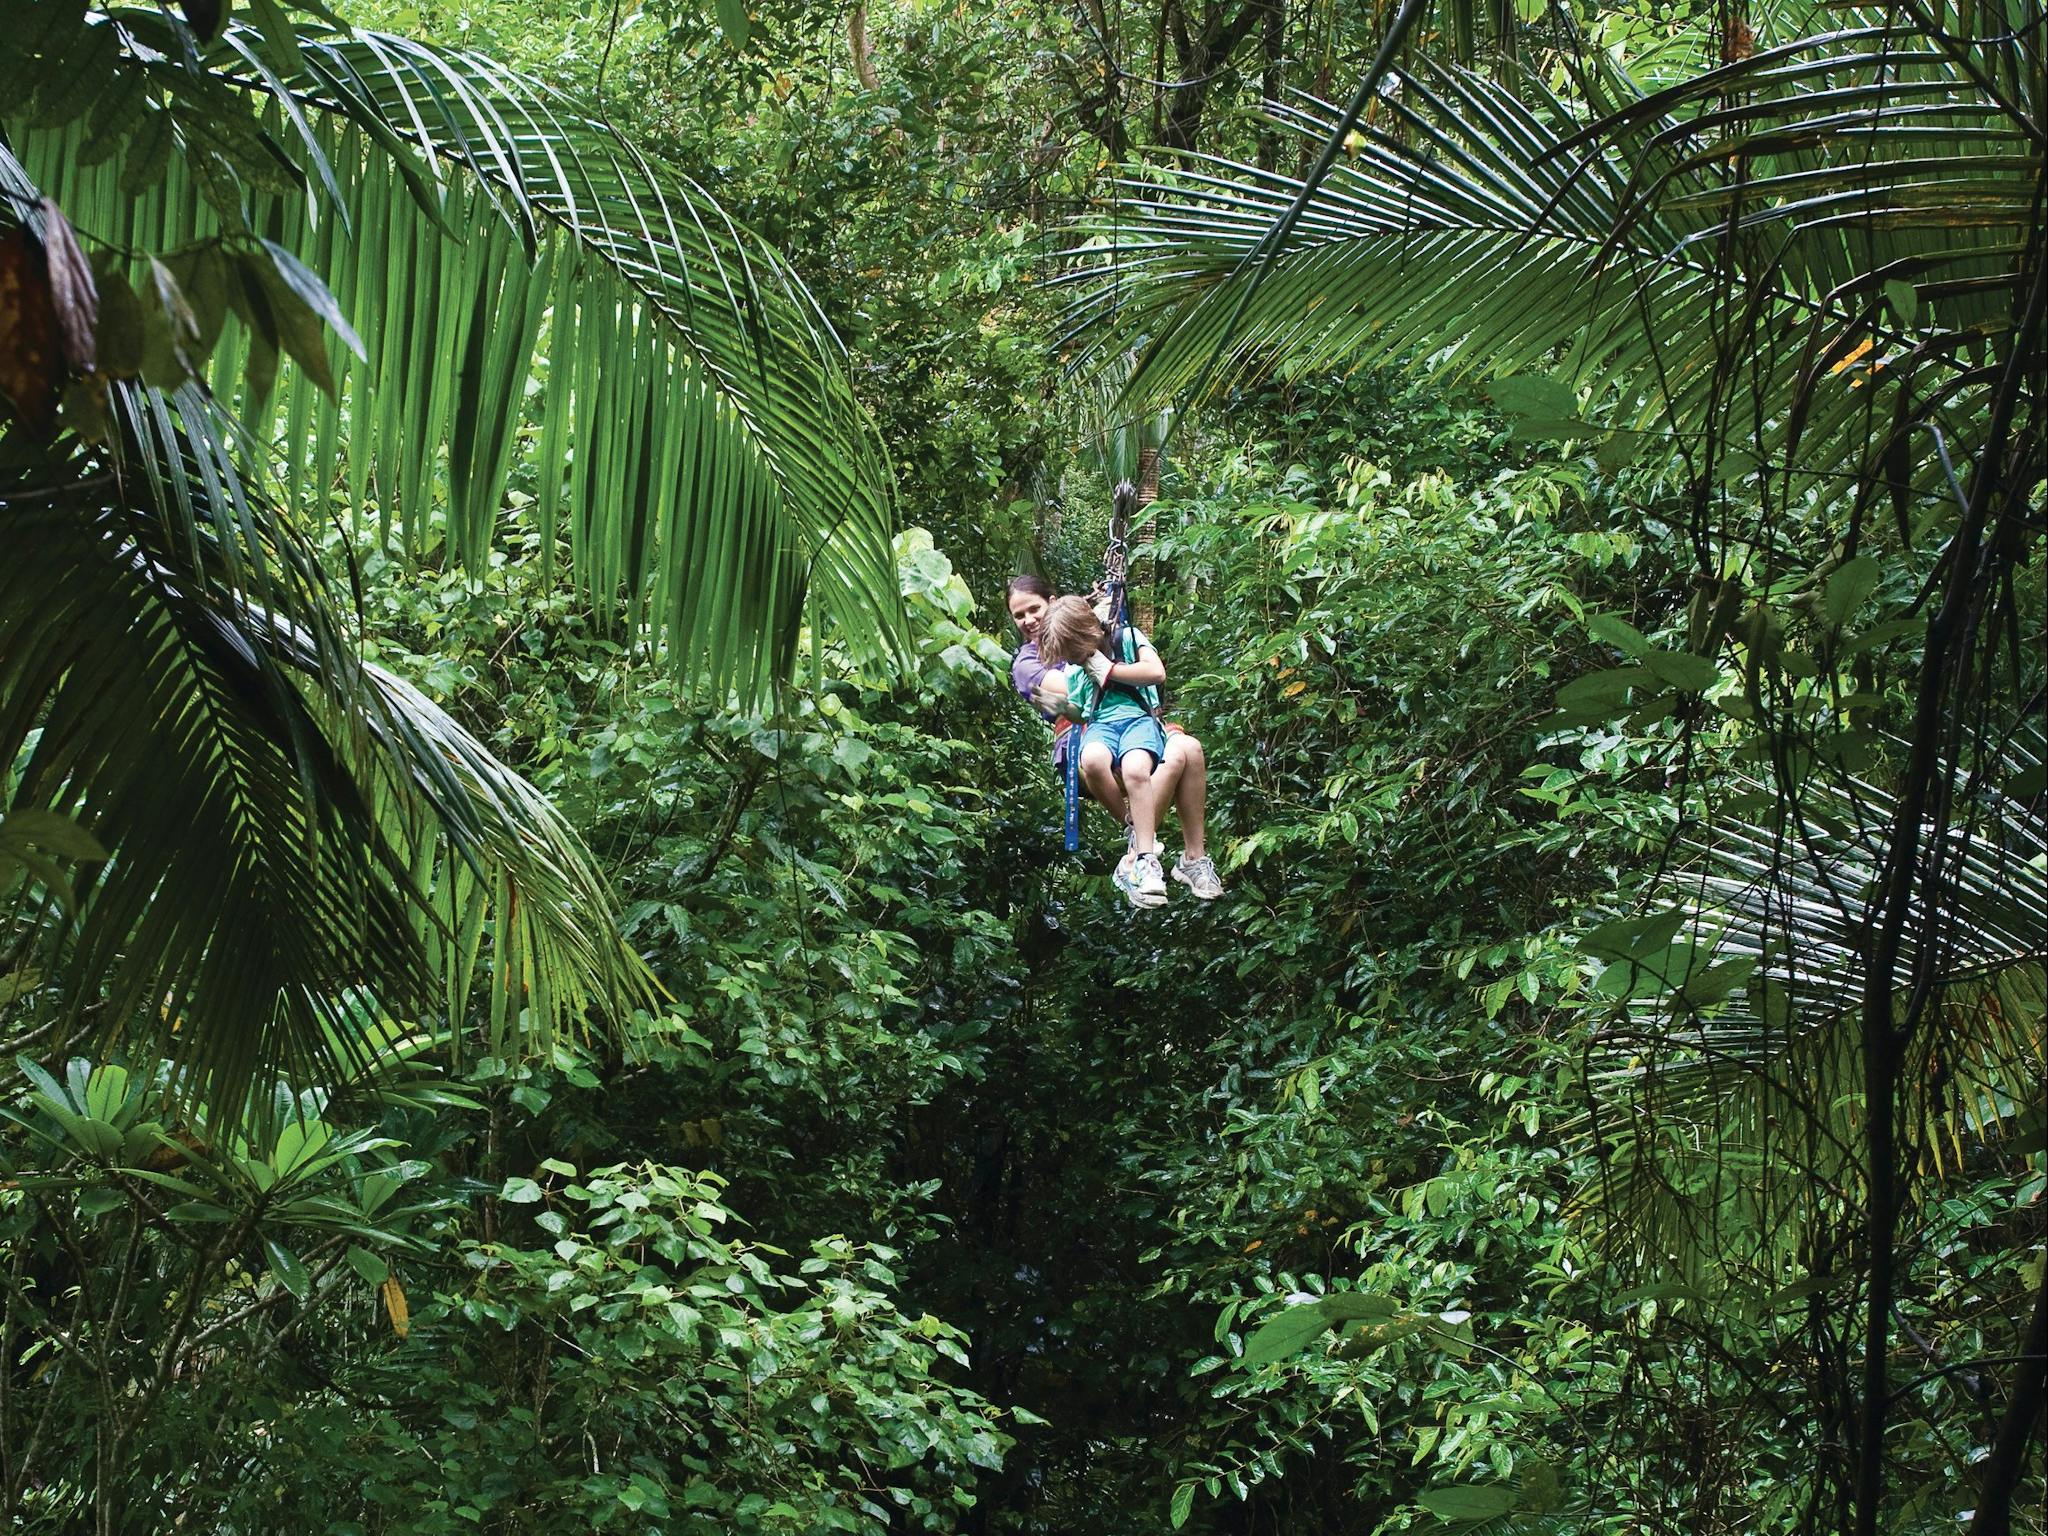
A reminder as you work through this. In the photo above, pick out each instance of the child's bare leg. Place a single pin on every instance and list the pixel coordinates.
(1098, 773)
(1142, 783)
(1164, 779)
(1109, 794)
(1190, 765)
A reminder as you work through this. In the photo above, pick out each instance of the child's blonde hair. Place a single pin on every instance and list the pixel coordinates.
(1069, 631)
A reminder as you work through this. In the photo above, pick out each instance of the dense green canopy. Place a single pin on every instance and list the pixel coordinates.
(540, 985)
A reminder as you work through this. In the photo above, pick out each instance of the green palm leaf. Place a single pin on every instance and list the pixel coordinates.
(1729, 1094)
(530, 283)
(287, 829)
(1797, 281)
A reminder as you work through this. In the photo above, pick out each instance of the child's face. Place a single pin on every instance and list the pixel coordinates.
(1070, 636)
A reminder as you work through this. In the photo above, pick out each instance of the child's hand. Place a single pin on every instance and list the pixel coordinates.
(1098, 668)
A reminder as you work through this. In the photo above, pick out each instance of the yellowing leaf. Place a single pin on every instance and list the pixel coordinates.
(1862, 347)
(394, 1304)
(1292, 689)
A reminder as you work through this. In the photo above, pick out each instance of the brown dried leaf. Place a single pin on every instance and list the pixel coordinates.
(31, 348)
(394, 1305)
(72, 291)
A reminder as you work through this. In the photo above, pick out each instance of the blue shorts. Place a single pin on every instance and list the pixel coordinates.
(1136, 733)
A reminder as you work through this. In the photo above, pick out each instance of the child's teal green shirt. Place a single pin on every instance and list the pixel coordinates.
(1117, 702)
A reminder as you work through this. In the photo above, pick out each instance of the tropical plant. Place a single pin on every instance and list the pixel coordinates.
(696, 425)
(283, 822)
(1687, 263)
(1812, 280)
(155, 1255)
(1760, 955)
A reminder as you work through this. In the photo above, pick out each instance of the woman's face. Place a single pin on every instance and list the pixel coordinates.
(1027, 611)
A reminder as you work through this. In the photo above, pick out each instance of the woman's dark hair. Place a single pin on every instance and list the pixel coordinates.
(1036, 586)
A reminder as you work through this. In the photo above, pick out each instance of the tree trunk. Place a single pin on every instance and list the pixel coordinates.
(1202, 55)
(1912, 888)
(1272, 79)
(2007, 1463)
(857, 44)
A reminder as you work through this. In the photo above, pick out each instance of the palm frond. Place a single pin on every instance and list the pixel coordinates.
(1729, 1093)
(1792, 263)
(530, 284)
(288, 830)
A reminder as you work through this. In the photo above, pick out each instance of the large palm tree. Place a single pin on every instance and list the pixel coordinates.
(283, 271)
(1806, 278)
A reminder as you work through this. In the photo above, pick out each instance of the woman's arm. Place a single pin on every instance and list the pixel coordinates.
(1051, 694)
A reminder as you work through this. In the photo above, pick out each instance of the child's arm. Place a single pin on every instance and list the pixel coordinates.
(1148, 671)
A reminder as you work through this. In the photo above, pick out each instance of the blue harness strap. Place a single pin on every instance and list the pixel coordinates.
(1071, 771)
(1124, 500)
(1071, 776)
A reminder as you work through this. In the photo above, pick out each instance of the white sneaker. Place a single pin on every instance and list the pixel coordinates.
(1149, 878)
(1199, 876)
(1129, 882)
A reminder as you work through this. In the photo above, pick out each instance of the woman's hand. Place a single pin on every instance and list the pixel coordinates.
(1051, 694)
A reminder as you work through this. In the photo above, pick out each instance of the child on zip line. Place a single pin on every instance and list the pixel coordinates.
(1114, 698)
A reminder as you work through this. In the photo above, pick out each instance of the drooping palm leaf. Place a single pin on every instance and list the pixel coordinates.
(300, 849)
(527, 281)
(300, 843)
(289, 831)
(1798, 261)
(1729, 1095)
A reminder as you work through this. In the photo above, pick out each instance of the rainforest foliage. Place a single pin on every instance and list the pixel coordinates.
(541, 988)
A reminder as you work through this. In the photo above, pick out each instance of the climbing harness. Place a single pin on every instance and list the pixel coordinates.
(1115, 574)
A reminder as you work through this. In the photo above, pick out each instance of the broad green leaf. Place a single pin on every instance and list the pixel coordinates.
(733, 21)
(312, 294)
(106, 1092)
(1704, 988)
(98, 1201)
(291, 1274)
(1292, 1328)
(1612, 629)
(1534, 395)
(1472, 1502)
(1849, 585)
(49, 830)
(1683, 670)
(1605, 689)
(1625, 938)
(298, 1143)
(199, 1211)
(1286, 1333)
(90, 1134)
